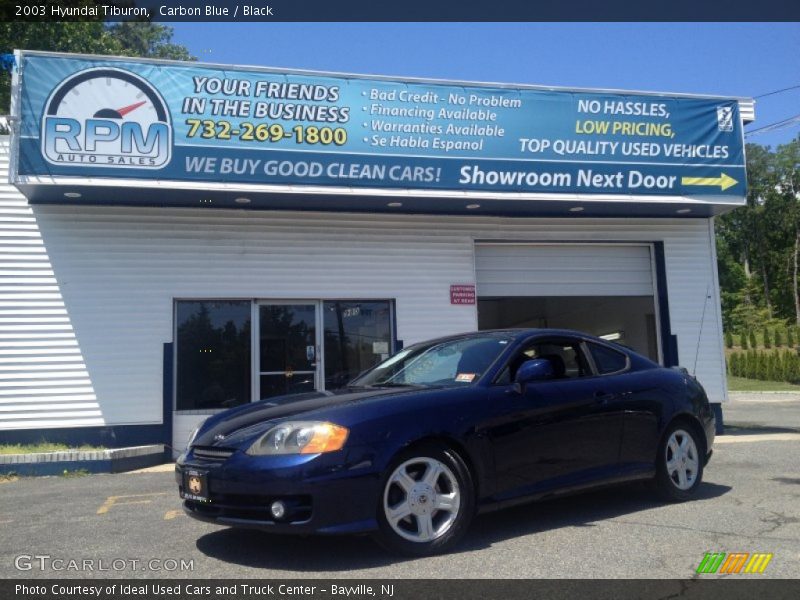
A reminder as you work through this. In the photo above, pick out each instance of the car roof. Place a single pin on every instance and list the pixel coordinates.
(518, 333)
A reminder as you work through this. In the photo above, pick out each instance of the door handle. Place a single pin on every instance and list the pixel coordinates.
(604, 397)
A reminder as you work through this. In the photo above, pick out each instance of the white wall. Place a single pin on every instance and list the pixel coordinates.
(91, 289)
(44, 381)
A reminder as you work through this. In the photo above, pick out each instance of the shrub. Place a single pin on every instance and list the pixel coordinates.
(751, 368)
(792, 367)
(767, 340)
(786, 365)
(752, 340)
(728, 339)
(743, 341)
(790, 337)
(778, 338)
(733, 364)
(773, 366)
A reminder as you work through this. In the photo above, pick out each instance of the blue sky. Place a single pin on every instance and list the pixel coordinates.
(732, 59)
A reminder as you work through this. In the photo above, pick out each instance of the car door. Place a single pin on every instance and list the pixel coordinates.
(560, 433)
(641, 399)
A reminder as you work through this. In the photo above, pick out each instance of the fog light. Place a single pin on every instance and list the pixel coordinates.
(278, 509)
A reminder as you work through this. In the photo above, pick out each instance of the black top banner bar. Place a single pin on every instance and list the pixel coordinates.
(407, 10)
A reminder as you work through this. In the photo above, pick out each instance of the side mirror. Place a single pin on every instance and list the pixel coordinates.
(537, 369)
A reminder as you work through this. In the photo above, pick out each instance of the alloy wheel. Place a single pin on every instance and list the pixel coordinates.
(421, 499)
(683, 463)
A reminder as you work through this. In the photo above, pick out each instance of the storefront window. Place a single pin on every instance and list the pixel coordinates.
(214, 358)
(358, 335)
(213, 354)
(288, 348)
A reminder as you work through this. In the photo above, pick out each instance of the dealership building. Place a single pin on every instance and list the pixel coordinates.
(180, 238)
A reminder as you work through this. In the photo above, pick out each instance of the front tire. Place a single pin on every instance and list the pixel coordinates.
(679, 468)
(427, 501)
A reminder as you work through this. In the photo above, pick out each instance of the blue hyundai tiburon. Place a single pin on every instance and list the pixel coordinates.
(415, 447)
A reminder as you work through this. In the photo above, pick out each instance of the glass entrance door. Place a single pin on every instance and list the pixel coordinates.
(288, 348)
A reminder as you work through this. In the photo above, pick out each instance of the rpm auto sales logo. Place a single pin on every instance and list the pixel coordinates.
(106, 117)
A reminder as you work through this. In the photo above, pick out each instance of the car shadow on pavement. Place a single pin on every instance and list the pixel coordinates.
(580, 510)
(258, 549)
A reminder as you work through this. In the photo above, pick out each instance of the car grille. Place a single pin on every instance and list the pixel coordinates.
(252, 507)
(212, 453)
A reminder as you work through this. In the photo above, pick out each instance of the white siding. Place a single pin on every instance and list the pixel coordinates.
(43, 377)
(88, 292)
(563, 270)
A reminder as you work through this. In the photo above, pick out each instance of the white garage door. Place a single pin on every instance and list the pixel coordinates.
(563, 270)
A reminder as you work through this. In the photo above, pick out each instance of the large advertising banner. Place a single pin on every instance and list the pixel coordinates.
(91, 117)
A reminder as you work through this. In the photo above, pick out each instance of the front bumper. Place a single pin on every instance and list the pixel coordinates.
(324, 493)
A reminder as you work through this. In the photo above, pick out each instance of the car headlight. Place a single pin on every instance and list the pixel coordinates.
(300, 437)
(192, 436)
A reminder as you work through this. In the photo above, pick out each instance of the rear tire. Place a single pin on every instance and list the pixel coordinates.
(679, 464)
(426, 501)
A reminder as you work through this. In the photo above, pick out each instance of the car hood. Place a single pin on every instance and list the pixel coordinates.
(236, 425)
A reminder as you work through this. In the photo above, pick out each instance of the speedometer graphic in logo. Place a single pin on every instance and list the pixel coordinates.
(106, 117)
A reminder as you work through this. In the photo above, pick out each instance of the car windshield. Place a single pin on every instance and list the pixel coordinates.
(459, 361)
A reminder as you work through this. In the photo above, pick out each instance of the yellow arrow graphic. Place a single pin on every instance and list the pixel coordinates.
(723, 181)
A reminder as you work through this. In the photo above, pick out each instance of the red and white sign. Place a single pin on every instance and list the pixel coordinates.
(462, 294)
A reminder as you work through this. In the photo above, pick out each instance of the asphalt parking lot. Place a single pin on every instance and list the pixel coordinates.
(750, 502)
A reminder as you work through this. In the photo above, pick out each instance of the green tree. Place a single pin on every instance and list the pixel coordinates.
(138, 38)
(787, 166)
(758, 245)
(743, 233)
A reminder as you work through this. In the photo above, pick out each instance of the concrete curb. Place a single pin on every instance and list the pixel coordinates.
(766, 392)
(755, 397)
(112, 460)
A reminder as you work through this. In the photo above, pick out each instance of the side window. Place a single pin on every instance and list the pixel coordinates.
(566, 357)
(607, 360)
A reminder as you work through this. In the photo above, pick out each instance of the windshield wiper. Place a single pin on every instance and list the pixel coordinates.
(393, 384)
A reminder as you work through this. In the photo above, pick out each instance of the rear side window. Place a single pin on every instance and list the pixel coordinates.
(566, 357)
(607, 360)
